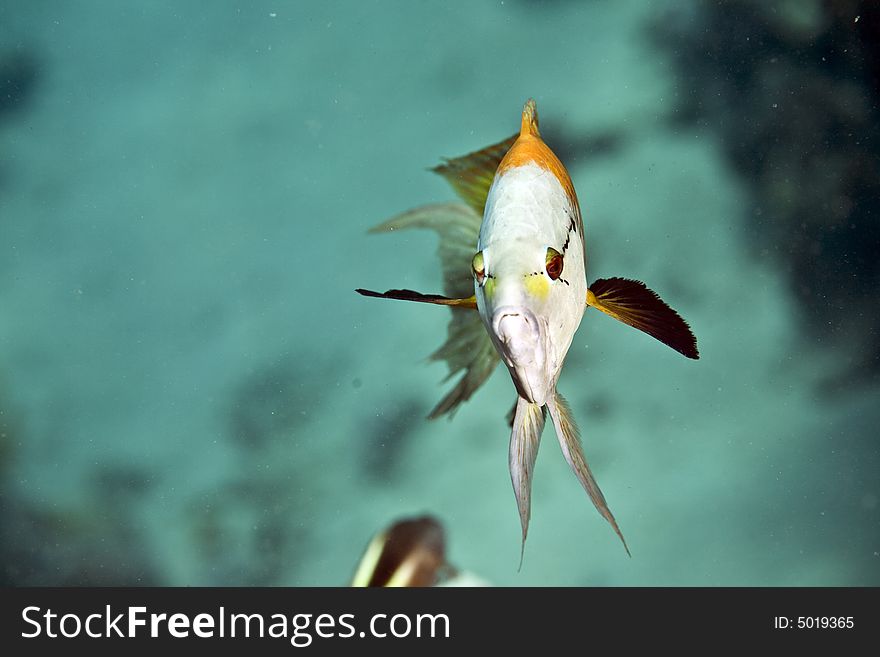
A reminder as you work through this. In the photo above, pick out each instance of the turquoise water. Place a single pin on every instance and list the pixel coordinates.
(192, 393)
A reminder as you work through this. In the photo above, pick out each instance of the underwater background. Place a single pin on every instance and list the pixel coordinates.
(191, 393)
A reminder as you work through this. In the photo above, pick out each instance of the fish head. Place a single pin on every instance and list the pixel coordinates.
(529, 310)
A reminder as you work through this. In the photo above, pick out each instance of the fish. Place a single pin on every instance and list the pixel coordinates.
(514, 251)
(411, 552)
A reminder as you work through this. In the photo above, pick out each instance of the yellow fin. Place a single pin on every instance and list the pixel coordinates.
(633, 303)
(570, 442)
(471, 175)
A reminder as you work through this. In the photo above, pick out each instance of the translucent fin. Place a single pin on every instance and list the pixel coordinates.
(528, 423)
(467, 345)
(511, 414)
(471, 175)
(569, 440)
(467, 348)
(458, 227)
(633, 303)
(410, 295)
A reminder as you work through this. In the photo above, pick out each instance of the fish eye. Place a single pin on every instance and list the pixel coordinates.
(479, 268)
(553, 263)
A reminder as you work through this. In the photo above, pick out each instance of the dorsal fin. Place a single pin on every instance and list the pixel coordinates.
(530, 148)
(530, 119)
(471, 175)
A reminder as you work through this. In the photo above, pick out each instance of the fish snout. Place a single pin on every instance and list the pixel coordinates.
(520, 341)
(515, 325)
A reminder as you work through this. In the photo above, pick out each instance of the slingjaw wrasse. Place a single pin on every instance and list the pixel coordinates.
(526, 277)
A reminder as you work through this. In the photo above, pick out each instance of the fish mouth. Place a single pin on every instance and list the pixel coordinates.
(521, 341)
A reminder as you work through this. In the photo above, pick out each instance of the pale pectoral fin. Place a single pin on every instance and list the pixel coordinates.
(467, 345)
(410, 295)
(633, 303)
(511, 414)
(471, 175)
(525, 437)
(570, 442)
(458, 227)
(467, 348)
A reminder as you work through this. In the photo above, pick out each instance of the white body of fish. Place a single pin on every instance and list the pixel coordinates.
(531, 318)
(531, 217)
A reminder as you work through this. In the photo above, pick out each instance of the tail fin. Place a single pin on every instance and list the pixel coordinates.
(524, 440)
(569, 440)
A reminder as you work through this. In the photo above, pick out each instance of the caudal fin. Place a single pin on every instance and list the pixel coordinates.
(569, 440)
(528, 423)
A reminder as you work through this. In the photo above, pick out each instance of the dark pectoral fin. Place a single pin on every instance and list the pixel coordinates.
(633, 303)
(410, 295)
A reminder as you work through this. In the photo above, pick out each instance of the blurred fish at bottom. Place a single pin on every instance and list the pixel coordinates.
(410, 552)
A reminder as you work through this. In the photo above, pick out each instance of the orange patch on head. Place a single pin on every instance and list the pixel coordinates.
(529, 147)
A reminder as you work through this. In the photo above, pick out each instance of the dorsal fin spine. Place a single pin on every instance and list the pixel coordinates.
(530, 119)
